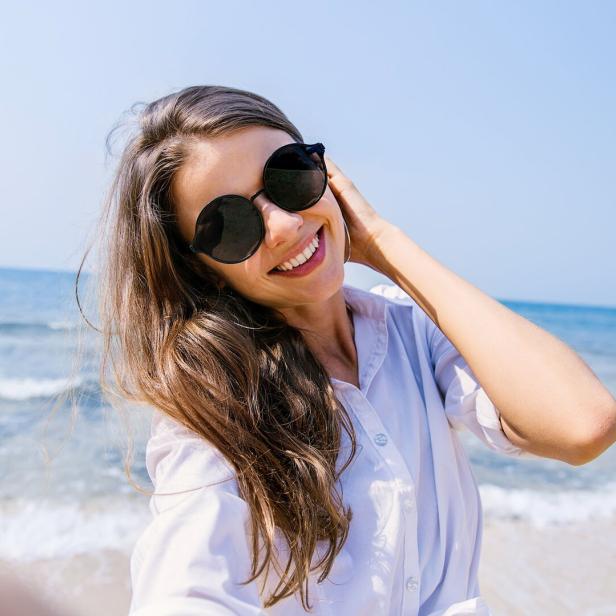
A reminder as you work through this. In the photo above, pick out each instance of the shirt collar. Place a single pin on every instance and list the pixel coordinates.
(370, 321)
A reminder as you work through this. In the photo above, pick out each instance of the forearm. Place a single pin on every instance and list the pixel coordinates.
(543, 389)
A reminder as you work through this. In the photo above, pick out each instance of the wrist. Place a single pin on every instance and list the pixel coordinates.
(382, 236)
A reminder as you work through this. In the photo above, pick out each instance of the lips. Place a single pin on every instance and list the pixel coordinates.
(311, 264)
(317, 234)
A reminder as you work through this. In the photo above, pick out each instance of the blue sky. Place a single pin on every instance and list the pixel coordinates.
(485, 130)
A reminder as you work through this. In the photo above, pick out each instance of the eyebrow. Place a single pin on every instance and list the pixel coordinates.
(251, 199)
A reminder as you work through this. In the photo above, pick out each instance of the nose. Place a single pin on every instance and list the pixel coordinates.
(281, 226)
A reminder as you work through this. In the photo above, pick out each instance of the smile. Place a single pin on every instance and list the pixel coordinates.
(305, 261)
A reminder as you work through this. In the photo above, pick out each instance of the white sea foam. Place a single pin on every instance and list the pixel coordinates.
(61, 325)
(33, 530)
(548, 508)
(25, 388)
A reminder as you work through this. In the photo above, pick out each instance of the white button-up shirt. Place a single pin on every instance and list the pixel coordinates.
(415, 537)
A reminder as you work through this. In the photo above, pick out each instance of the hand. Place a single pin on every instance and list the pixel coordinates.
(364, 223)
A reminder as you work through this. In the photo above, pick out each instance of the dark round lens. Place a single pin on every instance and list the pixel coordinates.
(229, 229)
(295, 176)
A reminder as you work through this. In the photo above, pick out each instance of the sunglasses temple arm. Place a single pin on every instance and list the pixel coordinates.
(256, 195)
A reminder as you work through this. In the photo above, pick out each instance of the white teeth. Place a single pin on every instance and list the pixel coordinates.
(302, 257)
(308, 251)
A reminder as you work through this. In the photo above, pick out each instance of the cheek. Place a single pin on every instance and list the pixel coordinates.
(244, 275)
(217, 270)
(327, 206)
(329, 195)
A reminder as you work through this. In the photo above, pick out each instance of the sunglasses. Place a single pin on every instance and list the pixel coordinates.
(230, 228)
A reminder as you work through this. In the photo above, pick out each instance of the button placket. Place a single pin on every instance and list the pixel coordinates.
(405, 489)
(411, 596)
(410, 599)
(409, 504)
(407, 496)
(380, 439)
(411, 583)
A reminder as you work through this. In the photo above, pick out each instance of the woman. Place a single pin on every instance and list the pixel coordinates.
(300, 424)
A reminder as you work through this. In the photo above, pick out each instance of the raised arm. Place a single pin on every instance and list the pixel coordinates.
(551, 403)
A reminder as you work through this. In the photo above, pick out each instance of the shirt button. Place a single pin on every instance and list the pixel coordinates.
(380, 439)
(411, 583)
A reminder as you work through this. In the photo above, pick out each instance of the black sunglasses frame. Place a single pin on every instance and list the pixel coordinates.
(319, 148)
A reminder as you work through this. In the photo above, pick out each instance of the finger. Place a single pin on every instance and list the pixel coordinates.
(336, 178)
(332, 168)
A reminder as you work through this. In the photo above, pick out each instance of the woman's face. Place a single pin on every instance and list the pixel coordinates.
(233, 164)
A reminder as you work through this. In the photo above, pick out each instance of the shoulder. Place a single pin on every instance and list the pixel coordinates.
(181, 462)
(392, 292)
(393, 295)
(400, 303)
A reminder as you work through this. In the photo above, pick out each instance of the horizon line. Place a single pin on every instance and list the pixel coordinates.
(500, 299)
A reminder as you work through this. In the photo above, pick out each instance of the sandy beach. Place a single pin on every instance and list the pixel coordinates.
(525, 570)
(566, 570)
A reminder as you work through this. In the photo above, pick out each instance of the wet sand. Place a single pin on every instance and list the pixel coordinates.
(555, 571)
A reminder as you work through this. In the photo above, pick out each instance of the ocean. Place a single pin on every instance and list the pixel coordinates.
(81, 502)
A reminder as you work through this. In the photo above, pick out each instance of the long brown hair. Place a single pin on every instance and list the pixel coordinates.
(230, 370)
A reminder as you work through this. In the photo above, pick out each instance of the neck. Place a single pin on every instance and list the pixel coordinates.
(328, 330)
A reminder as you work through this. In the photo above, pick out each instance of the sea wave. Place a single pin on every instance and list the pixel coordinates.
(25, 328)
(35, 529)
(32, 530)
(543, 509)
(61, 325)
(28, 388)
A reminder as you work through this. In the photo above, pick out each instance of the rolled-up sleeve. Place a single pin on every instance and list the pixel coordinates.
(192, 556)
(466, 403)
